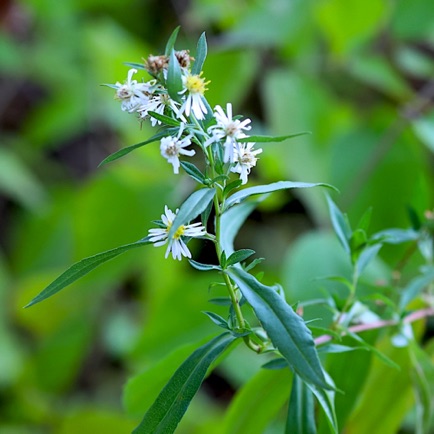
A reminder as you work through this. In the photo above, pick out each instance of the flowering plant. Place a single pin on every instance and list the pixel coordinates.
(174, 100)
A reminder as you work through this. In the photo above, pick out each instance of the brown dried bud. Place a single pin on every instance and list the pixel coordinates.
(156, 64)
(184, 58)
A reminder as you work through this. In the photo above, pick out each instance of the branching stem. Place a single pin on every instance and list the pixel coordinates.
(414, 316)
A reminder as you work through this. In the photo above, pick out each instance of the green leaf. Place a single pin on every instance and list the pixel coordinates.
(258, 402)
(217, 319)
(423, 385)
(396, 236)
(209, 117)
(337, 348)
(193, 171)
(365, 220)
(413, 289)
(239, 256)
(340, 225)
(203, 267)
(173, 401)
(174, 79)
(231, 186)
(231, 222)
(253, 264)
(301, 410)
(201, 53)
(326, 399)
(135, 65)
(128, 149)
(279, 363)
(81, 268)
(286, 329)
(367, 255)
(171, 41)
(204, 216)
(220, 301)
(223, 259)
(374, 350)
(263, 189)
(358, 240)
(191, 208)
(165, 119)
(268, 139)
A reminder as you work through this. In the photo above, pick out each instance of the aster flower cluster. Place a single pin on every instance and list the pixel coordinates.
(174, 100)
(214, 147)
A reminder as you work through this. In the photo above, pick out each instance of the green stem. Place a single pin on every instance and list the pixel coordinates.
(349, 299)
(218, 206)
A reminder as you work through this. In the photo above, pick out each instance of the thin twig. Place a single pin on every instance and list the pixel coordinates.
(414, 316)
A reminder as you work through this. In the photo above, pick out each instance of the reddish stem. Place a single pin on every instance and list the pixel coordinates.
(414, 316)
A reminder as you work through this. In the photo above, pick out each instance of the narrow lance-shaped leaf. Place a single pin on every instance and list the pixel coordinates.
(414, 288)
(203, 267)
(191, 208)
(171, 41)
(388, 361)
(201, 53)
(286, 329)
(193, 171)
(174, 79)
(423, 386)
(263, 189)
(326, 399)
(81, 268)
(173, 401)
(128, 149)
(231, 222)
(217, 319)
(165, 119)
(397, 236)
(301, 410)
(367, 255)
(135, 65)
(239, 256)
(340, 225)
(269, 139)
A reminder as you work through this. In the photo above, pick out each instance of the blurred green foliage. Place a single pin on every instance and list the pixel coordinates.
(359, 78)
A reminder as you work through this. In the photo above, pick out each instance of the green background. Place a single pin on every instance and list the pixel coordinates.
(356, 74)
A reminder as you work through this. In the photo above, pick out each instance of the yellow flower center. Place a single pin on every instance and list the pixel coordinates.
(196, 84)
(179, 232)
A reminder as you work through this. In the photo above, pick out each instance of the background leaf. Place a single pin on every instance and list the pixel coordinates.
(173, 401)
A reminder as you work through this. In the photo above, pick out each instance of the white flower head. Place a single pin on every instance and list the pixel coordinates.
(177, 246)
(131, 93)
(229, 129)
(158, 103)
(245, 159)
(172, 147)
(194, 88)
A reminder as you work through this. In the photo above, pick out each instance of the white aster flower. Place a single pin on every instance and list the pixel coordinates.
(172, 147)
(245, 159)
(228, 129)
(131, 93)
(177, 246)
(158, 103)
(194, 88)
